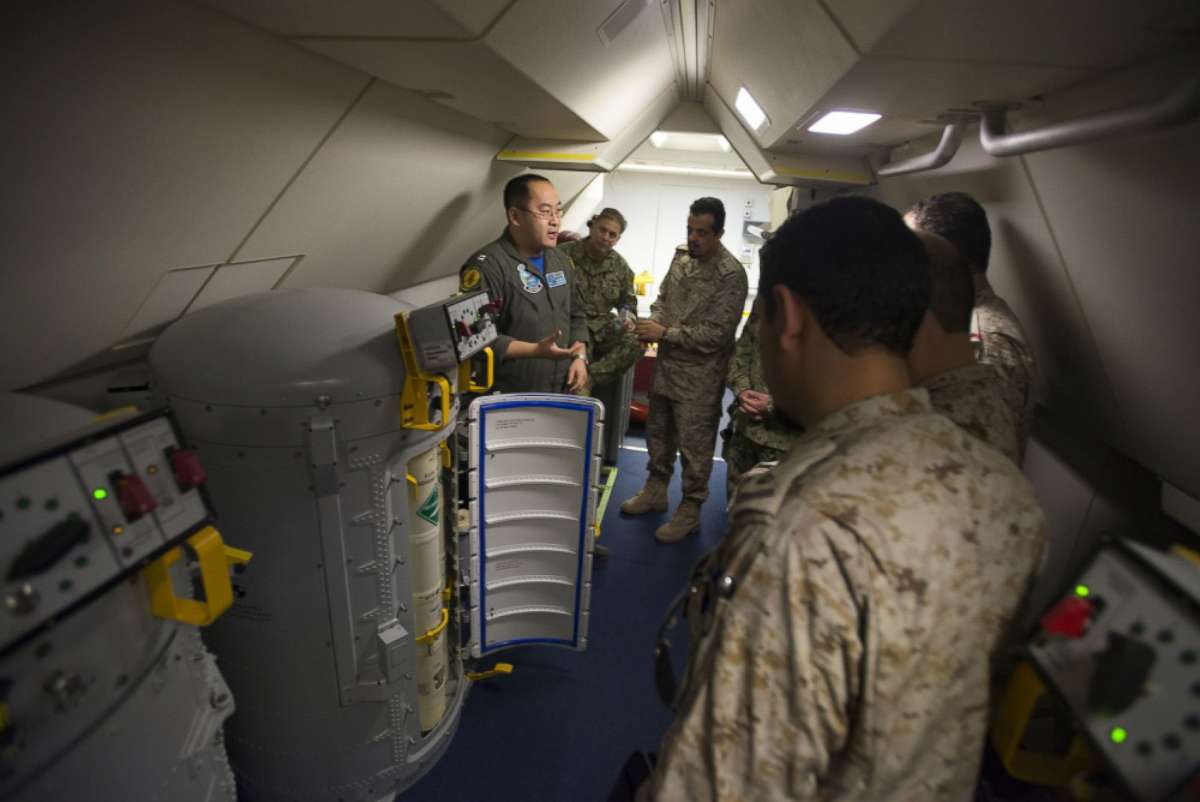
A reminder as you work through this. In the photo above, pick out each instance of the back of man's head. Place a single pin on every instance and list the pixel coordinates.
(713, 206)
(952, 290)
(959, 218)
(516, 191)
(859, 269)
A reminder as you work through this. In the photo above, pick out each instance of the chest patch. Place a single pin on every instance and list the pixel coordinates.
(556, 279)
(529, 281)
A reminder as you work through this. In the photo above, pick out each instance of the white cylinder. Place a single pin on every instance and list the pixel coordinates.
(307, 462)
(431, 681)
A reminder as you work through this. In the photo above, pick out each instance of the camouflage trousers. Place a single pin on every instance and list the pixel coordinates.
(613, 357)
(741, 454)
(686, 428)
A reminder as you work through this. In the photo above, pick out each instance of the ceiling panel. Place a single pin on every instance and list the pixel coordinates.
(468, 77)
(369, 18)
(787, 54)
(474, 15)
(1096, 34)
(555, 43)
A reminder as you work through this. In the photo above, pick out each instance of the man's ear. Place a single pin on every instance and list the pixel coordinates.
(513, 218)
(791, 317)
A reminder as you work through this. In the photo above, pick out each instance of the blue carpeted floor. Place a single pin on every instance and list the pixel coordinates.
(562, 725)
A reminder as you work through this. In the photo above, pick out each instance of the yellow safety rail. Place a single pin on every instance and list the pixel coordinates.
(414, 399)
(216, 559)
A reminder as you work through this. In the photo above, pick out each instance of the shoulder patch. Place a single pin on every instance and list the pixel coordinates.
(470, 277)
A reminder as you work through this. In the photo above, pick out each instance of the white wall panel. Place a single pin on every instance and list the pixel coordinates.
(241, 278)
(656, 207)
(401, 193)
(150, 135)
(1027, 270)
(167, 301)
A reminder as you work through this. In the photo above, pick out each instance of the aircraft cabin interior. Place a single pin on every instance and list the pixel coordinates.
(243, 484)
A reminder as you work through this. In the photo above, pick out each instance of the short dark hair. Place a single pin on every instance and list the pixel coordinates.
(611, 214)
(952, 290)
(959, 218)
(860, 270)
(516, 191)
(711, 206)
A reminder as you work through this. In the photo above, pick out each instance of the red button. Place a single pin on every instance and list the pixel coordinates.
(188, 470)
(1069, 618)
(133, 496)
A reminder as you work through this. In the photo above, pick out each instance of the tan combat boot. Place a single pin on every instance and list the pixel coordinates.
(651, 498)
(685, 521)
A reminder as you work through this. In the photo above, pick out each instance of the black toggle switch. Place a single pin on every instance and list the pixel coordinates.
(42, 553)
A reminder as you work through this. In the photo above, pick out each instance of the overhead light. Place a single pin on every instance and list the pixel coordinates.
(685, 140)
(843, 122)
(751, 112)
(671, 169)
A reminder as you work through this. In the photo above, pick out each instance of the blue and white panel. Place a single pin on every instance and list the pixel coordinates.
(535, 466)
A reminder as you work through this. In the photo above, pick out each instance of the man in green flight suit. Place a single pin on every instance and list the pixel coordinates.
(540, 312)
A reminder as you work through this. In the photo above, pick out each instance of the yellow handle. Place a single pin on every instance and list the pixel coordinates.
(215, 559)
(447, 460)
(433, 633)
(500, 669)
(491, 371)
(466, 381)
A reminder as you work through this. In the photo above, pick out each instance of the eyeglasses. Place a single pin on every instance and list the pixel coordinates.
(544, 214)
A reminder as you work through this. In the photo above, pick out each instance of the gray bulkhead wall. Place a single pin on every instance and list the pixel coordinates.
(162, 152)
(1094, 246)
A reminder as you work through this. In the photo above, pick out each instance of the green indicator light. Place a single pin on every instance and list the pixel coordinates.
(1082, 591)
(99, 494)
(1118, 735)
(23, 503)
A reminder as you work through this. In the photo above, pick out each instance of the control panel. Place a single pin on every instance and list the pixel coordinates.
(82, 513)
(1122, 649)
(450, 332)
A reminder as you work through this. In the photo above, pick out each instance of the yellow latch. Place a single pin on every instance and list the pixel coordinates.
(433, 633)
(498, 670)
(1012, 717)
(641, 281)
(466, 381)
(216, 559)
(447, 459)
(414, 398)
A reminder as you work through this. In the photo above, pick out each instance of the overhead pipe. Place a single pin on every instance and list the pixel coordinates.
(951, 138)
(1176, 108)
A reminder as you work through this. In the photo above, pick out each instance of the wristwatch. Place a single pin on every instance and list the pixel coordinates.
(581, 355)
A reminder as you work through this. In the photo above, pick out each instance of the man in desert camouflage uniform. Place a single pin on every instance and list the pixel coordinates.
(1000, 339)
(756, 432)
(606, 284)
(972, 394)
(842, 630)
(694, 320)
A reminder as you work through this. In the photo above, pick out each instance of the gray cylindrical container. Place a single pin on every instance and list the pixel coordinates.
(293, 400)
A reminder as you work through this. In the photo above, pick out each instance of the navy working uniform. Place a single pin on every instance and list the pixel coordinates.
(537, 300)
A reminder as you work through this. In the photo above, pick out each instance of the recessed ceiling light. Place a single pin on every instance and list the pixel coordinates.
(751, 112)
(688, 140)
(843, 122)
